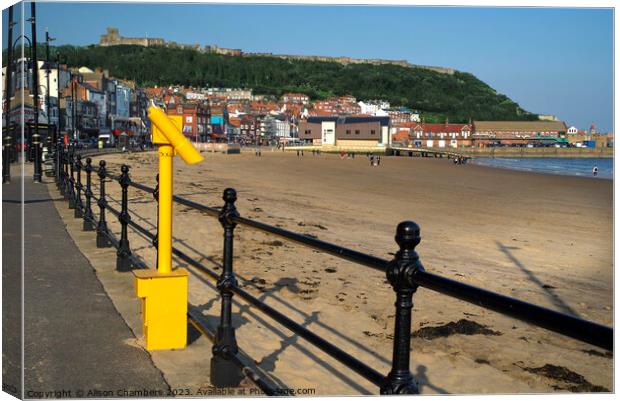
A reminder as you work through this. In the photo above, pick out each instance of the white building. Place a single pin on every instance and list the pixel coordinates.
(54, 82)
(374, 108)
(275, 127)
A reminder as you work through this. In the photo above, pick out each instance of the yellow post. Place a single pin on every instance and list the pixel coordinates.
(164, 239)
(164, 291)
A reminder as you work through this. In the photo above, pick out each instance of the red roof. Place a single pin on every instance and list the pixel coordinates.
(438, 128)
(235, 122)
(401, 136)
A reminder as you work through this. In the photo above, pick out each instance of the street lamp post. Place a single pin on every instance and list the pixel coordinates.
(49, 39)
(7, 140)
(23, 70)
(36, 138)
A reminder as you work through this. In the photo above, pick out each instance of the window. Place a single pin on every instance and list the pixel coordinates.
(348, 132)
(357, 132)
(372, 132)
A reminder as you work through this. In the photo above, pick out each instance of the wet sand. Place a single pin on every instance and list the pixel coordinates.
(541, 238)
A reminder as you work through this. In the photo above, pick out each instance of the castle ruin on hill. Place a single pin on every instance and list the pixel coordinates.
(113, 38)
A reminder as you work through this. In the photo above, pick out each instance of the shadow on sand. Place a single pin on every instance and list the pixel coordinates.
(557, 301)
(268, 363)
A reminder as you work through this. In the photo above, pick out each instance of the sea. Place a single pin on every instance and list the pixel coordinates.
(563, 166)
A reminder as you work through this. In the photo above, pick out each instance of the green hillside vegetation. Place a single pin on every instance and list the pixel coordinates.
(458, 97)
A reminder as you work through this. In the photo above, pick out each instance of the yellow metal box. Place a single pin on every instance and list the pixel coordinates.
(164, 307)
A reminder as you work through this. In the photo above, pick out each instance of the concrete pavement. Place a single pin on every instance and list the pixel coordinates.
(76, 344)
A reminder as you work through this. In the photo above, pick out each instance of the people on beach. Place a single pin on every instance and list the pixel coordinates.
(372, 160)
(595, 171)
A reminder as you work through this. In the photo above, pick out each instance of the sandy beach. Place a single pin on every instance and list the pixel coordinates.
(541, 238)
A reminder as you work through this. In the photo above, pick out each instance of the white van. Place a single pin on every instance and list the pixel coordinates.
(107, 137)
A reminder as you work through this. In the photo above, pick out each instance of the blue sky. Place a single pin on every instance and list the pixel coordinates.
(549, 60)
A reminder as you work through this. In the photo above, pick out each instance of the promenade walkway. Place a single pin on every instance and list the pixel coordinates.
(75, 342)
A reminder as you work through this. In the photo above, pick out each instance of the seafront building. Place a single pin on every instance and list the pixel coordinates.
(518, 132)
(350, 131)
(442, 135)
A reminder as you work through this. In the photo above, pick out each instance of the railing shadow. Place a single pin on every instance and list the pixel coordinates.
(555, 299)
(287, 340)
(276, 286)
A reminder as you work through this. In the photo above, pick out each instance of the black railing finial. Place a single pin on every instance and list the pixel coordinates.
(71, 178)
(123, 254)
(78, 188)
(224, 371)
(399, 273)
(6, 158)
(88, 224)
(102, 227)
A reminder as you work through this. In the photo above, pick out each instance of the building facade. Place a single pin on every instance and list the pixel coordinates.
(493, 133)
(345, 131)
(441, 135)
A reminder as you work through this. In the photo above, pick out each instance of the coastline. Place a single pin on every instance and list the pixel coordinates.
(533, 168)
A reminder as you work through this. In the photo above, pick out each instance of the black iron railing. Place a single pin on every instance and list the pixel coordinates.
(405, 273)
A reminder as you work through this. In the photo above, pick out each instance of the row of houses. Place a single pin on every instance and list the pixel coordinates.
(82, 102)
(236, 115)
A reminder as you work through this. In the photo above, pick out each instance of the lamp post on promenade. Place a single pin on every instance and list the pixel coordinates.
(49, 39)
(36, 138)
(8, 138)
(23, 70)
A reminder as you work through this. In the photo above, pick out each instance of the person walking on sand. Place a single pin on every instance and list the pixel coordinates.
(595, 171)
(372, 160)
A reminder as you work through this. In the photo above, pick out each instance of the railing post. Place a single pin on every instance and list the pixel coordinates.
(61, 168)
(102, 227)
(57, 171)
(88, 212)
(123, 254)
(224, 372)
(71, 178)
(50, 152)
(400, 273)
(6, 159)
(36, 144)
(155, 242)
(78, 189)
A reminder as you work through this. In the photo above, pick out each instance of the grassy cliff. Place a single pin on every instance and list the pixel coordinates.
(459, 96)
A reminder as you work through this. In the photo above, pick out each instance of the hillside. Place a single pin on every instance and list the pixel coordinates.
(459, 96)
